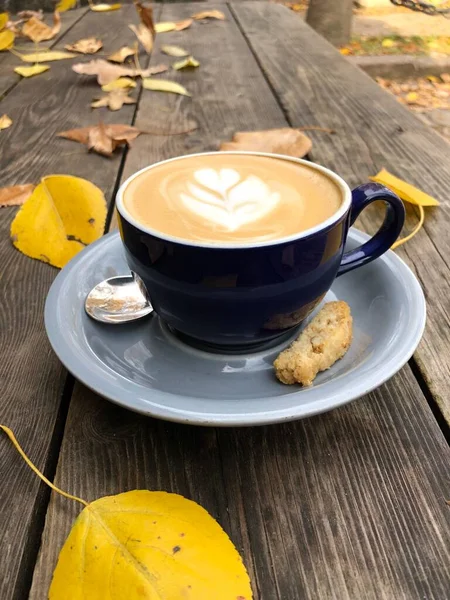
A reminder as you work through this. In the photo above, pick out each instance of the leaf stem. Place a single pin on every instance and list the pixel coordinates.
(17, 446)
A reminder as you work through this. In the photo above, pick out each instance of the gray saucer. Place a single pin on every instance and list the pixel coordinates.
(144, 367)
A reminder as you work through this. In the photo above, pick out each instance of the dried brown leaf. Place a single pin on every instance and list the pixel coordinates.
(183, 24)
(121, 55)
(146, 16)
(209, 14)
(85, 46)
(101, 138)
(114, 100)
(144, 35)
(38, 31)
(15, 195)
(106, 72)
(290, 142)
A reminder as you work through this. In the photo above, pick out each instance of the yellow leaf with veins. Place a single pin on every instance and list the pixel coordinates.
(145, 545)
(61, 216)
(408, 193)
(6, 39)
(30, 71)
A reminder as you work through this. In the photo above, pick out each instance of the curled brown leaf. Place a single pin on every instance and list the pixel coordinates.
(15, 195)
(287, 141)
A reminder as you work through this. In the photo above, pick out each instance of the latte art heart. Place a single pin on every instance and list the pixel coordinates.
(230, 198)
(226, 199)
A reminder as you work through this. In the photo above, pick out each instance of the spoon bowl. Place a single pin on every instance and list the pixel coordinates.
(119, 299)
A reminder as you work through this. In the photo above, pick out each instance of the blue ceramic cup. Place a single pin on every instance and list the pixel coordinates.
(239, 296)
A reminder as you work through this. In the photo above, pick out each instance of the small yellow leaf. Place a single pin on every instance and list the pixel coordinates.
(4, 18)
(190, 61)
(433, 78)
(121, 55)
(5, 122)
(406, 191)
(30, 71)
(209, 14)
(104, 7)
(6, 39)
(345, 51)
(165, 26)
(64, 5)
(37, 57)
(15, 195)
(388, 43)
(163, 85)
(411, 97)
(174, 51)
(61, 216)
(85, 46)
(118, 84)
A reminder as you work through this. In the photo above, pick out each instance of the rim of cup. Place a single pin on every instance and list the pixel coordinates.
(344, 207)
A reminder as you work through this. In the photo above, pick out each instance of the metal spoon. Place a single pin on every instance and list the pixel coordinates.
(118, 300)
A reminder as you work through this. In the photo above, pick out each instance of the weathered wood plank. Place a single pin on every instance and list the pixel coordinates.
(8, 79)
(31, 376)
(346, 505)
(318, 86)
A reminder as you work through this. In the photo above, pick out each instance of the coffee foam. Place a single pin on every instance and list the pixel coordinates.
(231, 198)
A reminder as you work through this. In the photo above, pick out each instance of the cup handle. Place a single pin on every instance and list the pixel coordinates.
(389, 231)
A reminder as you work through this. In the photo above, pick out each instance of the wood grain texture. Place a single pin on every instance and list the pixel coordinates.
(347, 505)
(32, 379)
(318, 86)
(8, 79)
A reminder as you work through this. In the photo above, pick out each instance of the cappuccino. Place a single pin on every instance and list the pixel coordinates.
(239, 198)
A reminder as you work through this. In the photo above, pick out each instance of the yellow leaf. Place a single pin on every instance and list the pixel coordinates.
(61, 216)
(185, 24)
(6, 39)
(406, 191)
(144, 545)
(120, 83)
(5, 122)
(4, 18)
(388, 43)
(190, 61)
(104, 7)
(433, 78)
(121, 55)
(165, 26)
(174, 51)
(345, 51)
(30, 71)
(64, 5)
(411, 97)
(163, 85)
(37, 57)
(209, 14)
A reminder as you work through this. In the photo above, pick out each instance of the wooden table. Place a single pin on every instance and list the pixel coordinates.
(347, 505)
